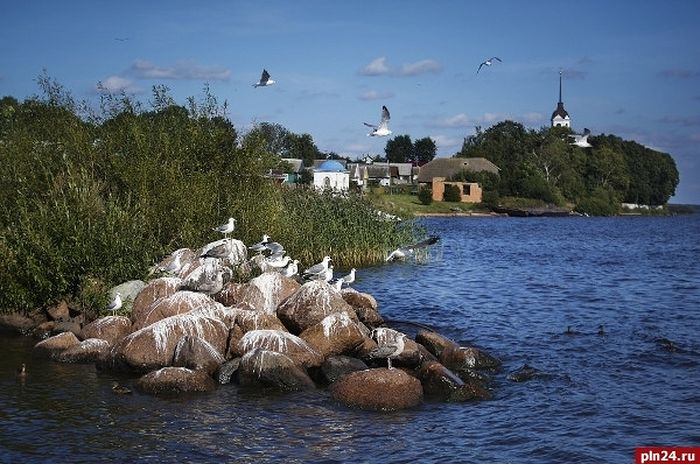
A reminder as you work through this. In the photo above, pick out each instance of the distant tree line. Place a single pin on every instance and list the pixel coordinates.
(542, 164)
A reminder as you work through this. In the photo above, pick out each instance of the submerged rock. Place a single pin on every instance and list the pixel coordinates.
(443, 384)
(261, 367)
(54, 346)
(378, 390)
(523, 374)
(87, 351)
(468, 358)
(173, 380)
(434, 342)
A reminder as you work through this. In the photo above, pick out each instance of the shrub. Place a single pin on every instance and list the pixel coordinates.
(453, 193)
(425, 196)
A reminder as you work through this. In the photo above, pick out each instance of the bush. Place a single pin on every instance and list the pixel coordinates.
(453, 193)
(602, 202)
(425, 196)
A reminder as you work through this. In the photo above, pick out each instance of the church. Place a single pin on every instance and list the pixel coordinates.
(560, 118)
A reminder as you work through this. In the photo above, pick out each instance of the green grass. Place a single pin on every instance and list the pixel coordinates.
(407, 205)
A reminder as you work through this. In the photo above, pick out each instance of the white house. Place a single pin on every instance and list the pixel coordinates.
(331, 175)
(560, 118)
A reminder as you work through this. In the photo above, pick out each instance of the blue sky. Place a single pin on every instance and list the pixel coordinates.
(630, 68)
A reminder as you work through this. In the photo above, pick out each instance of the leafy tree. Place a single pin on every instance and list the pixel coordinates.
(424, 150)
(303, 147)
(277, 139)
(400, 149)
(425, 195)
(453, 193)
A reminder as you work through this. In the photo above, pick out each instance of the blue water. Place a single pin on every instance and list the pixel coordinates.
(508, 285)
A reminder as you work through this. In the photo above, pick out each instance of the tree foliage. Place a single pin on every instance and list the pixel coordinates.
(401, 149)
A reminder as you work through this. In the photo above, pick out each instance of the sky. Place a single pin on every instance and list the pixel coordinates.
(629, 68)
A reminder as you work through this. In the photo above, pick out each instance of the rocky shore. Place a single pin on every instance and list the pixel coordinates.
(195, 330)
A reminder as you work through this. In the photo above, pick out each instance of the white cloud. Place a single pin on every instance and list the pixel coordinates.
(116, 84)
(420, 67)
(447, 144)
(182, 70)
(376, 67)
(375, 95)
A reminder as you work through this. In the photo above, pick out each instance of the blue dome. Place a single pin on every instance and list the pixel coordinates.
(331, 166)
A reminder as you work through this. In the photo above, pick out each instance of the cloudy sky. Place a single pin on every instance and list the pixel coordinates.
(630, 68)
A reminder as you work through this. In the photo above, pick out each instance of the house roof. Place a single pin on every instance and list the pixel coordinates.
(296, 163)
(448, 167)
(319, 162)
(330, 166)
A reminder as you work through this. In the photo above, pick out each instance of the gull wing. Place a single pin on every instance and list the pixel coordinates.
(480, 66)
(384, 123)
(264, 77)
(497, 59)
(370, 125)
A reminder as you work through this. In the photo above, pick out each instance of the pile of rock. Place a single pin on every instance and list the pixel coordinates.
(273, 332)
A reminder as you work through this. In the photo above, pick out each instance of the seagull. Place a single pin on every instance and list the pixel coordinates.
(277, 261)
(226, 228)
(391, 344)
(403, 252)
(220, 251)
(383, 128)
(173, 266)
(274, 248)
(261, 245)
(291, 270)
(115, 304)
(488, 62)
(264, 80)
(345, 280)
(318, 269)
(338, 283)
(581, 140)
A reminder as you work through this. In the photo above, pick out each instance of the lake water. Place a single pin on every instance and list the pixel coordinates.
(508, 285)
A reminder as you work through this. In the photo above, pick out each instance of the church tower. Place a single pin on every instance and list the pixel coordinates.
(560, 118)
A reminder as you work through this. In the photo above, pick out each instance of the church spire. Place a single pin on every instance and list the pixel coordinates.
(560, 117)
(560, 73)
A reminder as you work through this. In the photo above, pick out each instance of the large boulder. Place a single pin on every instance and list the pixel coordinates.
(272, 369)
(186, 256)
(253, 320)
(154, 346)
(19, 323)
(129, 291)
(59, 311)
(110, 328)
(54, 346)
(87, 351)
(310, 304)
(197, 354)
(280, 342)
(225, 373)
(365, 306)
(336, 334)
(274, 288)
(434, 342)
(174, 380)
(460, 358)
(154, 290)
(378, 390)
(178, 303)
(443, 384)
(231, 251)
(241, 295)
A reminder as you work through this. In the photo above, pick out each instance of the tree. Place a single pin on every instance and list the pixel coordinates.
(424, 150)
(303, 147)
(400, 149)
(277, 138)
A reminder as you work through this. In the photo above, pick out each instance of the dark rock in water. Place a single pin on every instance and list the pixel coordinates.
(378, 390)
(54, 346)
(668, 345)
(570, 331)
(443, 384)
(110, 328)
(434, 342)
(173, 380)
(87, 351)
(225, 373)
(197, 354)
(17, 323)
(472, 375)
(271, 369)
(468, 358)
(523, 374)
(335, 367)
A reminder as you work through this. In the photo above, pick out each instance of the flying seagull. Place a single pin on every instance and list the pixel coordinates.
(226, 228)
(403, 252)
(488, 62)
(581, 140)
(382, 129)
(115, 304)
(264, 80)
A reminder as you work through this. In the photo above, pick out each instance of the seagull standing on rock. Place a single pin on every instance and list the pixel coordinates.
(226, 228)
(291, 269)
(116, 303)
(382, 129)
(261, 245)
(391, 344)
(317, 270)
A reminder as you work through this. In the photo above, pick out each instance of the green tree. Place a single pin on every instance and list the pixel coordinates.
(424, 150)
(303, 147)
(400, 149)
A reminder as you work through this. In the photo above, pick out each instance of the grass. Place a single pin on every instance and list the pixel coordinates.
(407, 205)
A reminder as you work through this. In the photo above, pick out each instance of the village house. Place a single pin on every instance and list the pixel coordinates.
(433, 175)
